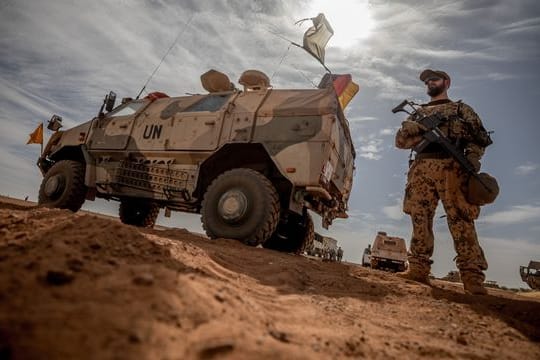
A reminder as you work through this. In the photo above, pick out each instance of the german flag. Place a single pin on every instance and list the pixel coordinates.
(344, 87)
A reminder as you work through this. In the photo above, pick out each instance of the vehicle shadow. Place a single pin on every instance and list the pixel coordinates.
(287, 273)
(294, 274)
(521, 314)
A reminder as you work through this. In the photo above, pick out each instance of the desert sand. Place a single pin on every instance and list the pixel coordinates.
(83, 286)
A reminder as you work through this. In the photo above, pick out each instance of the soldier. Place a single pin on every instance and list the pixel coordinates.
(332, 255)
(434, 175)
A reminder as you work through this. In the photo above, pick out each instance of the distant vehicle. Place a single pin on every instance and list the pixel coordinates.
(452, 276)
(324, 247)
(251, 161)
(317, 248)
(366, 257)
(492, 284)
(329, 247)
(531, 274)
(388, 253)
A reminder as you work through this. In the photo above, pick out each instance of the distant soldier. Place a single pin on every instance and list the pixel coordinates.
(366, 257)
(332, 254)
(434, 175)
(339, 254)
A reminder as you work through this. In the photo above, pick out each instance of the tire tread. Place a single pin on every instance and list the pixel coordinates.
(74, 199)
(270, 197)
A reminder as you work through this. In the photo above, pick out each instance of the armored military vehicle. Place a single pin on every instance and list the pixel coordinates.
(325, 247)
(251, 161)
(531, 274)
(317, 247)
(452, 276)
(328, 247)
(388, 253)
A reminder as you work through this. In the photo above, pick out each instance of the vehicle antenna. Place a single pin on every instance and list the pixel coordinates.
(280, 62)
(304, 75)
(164, 56)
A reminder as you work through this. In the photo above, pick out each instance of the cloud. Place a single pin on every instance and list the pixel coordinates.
(493, 76)
(371, 149)
(516, 215)
(395, 211)
(501, 76)
(387, 131)
(370, 156)
(457, 54)
(356, 119)
(511, 251)
(526, 25)
(526, 169)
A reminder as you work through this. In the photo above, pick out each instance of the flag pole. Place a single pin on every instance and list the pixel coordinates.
(310, 53)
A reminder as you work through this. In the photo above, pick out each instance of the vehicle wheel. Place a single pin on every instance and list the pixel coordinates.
(63, 186)
(533, 282)
(138, 212)
(240, 204)
(295, 233)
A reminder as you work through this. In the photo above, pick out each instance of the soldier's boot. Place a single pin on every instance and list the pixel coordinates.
(415, 273)
(473, 284)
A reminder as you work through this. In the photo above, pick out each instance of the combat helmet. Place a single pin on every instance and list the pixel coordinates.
(478, 194)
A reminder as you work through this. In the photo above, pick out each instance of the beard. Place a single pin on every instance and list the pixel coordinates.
(435, 90)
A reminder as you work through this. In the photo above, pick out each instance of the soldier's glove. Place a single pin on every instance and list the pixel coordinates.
(411, 128)
(474, 159)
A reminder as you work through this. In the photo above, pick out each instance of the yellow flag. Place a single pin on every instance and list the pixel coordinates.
(36, 137)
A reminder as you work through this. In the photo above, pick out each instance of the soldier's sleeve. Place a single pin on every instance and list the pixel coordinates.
(406, 141)
(477, 135)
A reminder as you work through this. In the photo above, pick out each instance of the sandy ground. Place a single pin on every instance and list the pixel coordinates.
(81, 286)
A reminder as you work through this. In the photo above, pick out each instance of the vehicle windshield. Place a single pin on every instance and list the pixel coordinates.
(126, 110)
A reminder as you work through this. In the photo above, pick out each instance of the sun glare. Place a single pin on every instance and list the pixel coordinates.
(350, 19)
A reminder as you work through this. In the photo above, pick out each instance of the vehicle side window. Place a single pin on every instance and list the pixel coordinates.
(126, 110)
(209, 103)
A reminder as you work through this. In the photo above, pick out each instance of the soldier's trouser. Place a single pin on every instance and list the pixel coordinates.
(428, 181)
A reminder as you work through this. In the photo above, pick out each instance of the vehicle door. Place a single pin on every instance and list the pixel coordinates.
(113, 131)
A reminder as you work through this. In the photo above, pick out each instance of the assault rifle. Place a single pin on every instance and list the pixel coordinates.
(434, 135)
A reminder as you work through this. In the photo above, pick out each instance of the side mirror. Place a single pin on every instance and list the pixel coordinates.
(110, 100)
(55, 123)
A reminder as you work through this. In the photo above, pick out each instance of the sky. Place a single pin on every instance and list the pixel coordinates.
(62, 56)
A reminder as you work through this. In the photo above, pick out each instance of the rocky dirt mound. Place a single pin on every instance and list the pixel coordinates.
(82, 286)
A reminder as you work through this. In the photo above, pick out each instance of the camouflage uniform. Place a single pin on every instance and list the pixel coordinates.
(339, 254)
(435, 176)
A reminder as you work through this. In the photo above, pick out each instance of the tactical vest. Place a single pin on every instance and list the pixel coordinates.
(457, 128)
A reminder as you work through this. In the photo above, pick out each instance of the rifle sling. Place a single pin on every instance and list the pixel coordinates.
(429, 155)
